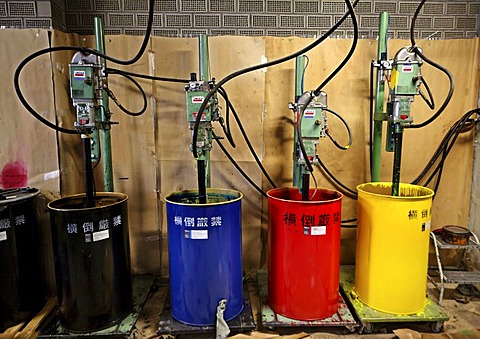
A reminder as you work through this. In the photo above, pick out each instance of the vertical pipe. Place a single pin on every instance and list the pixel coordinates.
(204, 74)
(397, 156)
(105, 115)
(202, 191)
(297, 168)
(305, 186)
(379, 99)
(88, 172)
(204, 64)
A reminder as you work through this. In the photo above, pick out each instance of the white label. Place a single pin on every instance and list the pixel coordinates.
(318, 230)
(428, 225)
(199, 234)
(97, 236)
(310, 113)
(79, 75)
(3, 235)
(407, 68)
(197, 99)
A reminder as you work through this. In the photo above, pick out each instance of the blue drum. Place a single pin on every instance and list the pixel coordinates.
(205, 255)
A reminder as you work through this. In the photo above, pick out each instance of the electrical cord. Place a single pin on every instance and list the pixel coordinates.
(417, 51)
(429, 101)
(119, 105)
(246, 138)
(84, 50)
(260, 66)
(226, 128)
(346, 126)
(445, 147)
(237, 166)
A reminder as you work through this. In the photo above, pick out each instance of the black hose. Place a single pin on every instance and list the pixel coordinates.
(346, 126)
(260, 66)
(119, 105)
(415, 49)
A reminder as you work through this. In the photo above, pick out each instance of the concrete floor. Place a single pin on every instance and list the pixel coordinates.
(463, 322)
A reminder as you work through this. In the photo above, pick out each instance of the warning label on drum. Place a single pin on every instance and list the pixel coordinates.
(196, 234)
(318, 230)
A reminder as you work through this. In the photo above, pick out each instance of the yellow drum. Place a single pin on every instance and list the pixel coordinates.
(392, 247)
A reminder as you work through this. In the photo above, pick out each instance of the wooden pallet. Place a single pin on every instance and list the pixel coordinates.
(31, 329)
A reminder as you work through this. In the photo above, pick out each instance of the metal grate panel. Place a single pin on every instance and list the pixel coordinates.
(471, 35)
(87, 19)
(193, 6)
(13, 23)
(193, 32)
(292, 21)
(21, 9)
(84, 31)
(346, 24)
(138, 32)
(222, 6)
(319, 21)
(363, 7)
(474, 8)
(306, 7)
(406, 35)
(251, 32)
(399, 22)
(456, 8)
(166, 32)
(306, 34)
(222, 32)
(58, 14)
(79, 5)
(390, 7)
(59, 3)
(38, 23)
(235, 20)
(136, 5)
(202, 20)
(369, 21)
(267, 21)
(407, 7)
(278, 6)
(107, 5)
(142, 20)
(72, 20)
(178, 20)
(113, 31)
(166, 6)
(334, 7)
(423, 22)
(121, 20)
(467, 23)
(443, 22)
(3, 9)
(250, 6)
(432, 35)
(280, 32)
(433, 8)
(454, 35)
